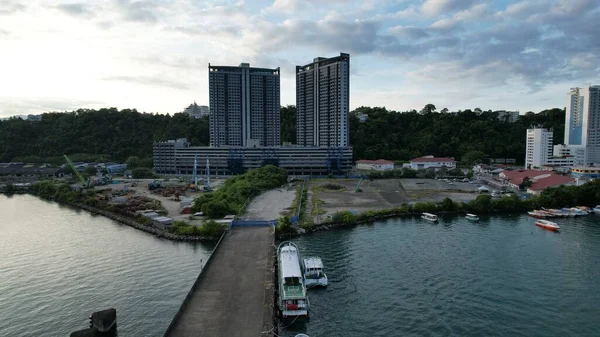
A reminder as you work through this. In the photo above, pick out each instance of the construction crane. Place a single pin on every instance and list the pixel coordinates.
(195, 174)
(207, 187)
(84, 183)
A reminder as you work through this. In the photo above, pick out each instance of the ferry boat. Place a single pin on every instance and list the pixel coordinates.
(472, 217)
(553, 226)
(293, 300)
(429, 217)
(314, 274)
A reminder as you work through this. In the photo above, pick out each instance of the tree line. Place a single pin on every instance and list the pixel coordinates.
(112, 134)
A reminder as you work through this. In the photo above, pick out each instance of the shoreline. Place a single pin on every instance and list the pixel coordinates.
(127, 221)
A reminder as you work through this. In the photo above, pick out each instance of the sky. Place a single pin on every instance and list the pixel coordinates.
(153, 55)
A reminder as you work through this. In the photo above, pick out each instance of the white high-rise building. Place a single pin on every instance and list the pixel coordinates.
(582, 123)
(539, 147)
(323, 102)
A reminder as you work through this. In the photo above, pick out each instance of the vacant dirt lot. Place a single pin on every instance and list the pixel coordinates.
(384, 193)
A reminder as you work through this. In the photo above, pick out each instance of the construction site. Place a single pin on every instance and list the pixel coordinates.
(161, 202)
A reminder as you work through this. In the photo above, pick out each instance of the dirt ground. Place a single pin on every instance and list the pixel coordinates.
(383, 193)
(270, 205)
(173, 207)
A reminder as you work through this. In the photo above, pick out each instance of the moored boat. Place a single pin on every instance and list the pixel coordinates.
(293, 299)
(429, 217)
(314, 272)
(553, 226)
(472, 217)
(597, 209)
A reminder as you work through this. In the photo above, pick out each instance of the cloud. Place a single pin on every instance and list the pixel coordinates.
(435, 7)
(408, 32)
(75, 9)
(142, 11)
(207, 30)
(155, 81)
(4, 32)
(8, 7)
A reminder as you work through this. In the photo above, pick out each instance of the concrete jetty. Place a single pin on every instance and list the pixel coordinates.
(233, 296)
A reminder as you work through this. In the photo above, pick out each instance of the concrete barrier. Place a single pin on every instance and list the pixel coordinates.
(194, 287)
(253, 223)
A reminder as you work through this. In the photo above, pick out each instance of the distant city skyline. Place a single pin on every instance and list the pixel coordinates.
(152, 55)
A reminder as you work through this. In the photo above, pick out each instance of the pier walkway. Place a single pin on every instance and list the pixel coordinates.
(233, 295)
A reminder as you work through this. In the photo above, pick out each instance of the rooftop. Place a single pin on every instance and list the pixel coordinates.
(551, 181)
(431, 159)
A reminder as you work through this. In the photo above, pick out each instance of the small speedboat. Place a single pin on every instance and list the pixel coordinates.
(472, 217)
(314, 273)
(553, 226)
(429, 217)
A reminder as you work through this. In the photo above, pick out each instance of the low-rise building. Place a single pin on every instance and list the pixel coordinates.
(540, 180)
(585, 172)
(176, 157)
(377, 165)
(508, 116)
(426, 162)
(162, 222)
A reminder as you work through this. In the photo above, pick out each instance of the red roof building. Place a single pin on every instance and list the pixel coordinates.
(540, 179)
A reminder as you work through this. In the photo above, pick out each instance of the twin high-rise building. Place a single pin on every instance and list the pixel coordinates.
(323, 101)
(244, 104)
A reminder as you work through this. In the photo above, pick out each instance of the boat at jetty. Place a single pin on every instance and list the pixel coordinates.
(597, 209)
(541, 214)
(429, 217)
(472, 217)
(553, 226)
(293, 300)
(314, 274)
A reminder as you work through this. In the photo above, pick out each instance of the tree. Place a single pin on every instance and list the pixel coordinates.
(133, 162)
(142, 173)
(470, 174)
(473, 157)
(428, 108)
(444, 110)
(525, 184)
(146, 162)
(90, 170)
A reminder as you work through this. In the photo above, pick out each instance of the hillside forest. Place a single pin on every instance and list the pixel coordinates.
(112, 134)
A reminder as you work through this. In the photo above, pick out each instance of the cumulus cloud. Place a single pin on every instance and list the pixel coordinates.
(8, 7)
(435, 7)
(75, 9)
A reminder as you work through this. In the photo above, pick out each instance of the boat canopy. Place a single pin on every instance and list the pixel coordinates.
(313, 263)
(290, 265)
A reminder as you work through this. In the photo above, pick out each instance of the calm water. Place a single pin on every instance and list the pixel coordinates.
(58, 265)
(500, 277)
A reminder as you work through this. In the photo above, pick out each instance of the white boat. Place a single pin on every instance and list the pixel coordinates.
(314, 274)
(472, 217)
(429, 217)
(597, 209)
(293, 300)
(553, 226)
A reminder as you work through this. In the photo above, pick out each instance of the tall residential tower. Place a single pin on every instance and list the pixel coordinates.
(244, 106)
(323, 101)
(582, 122)
(539, 148)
